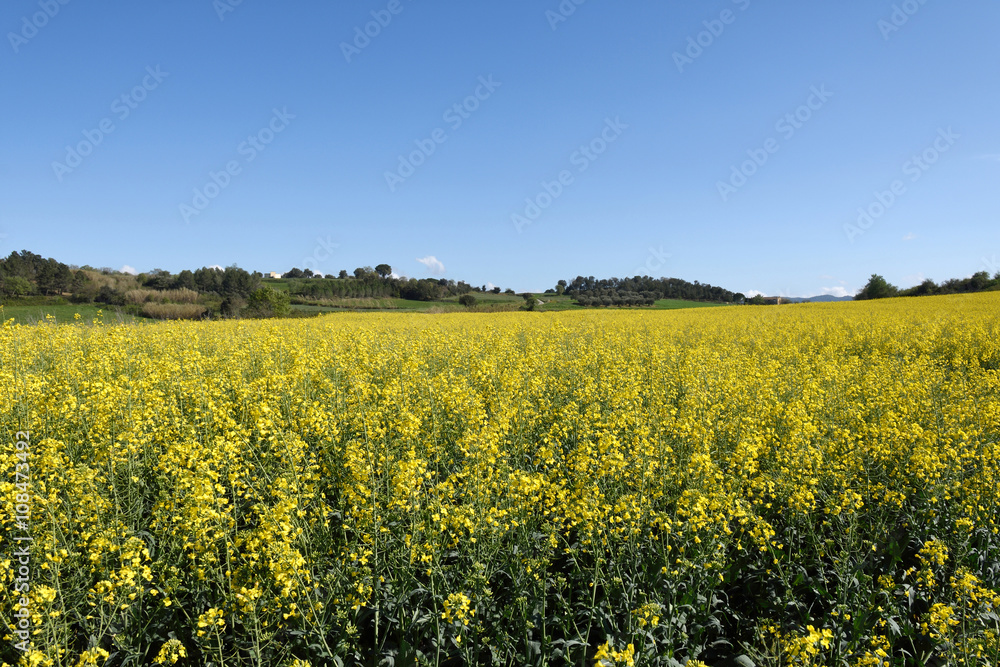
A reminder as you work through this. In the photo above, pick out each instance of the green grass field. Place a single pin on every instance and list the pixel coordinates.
(64, 313)
(677, 304)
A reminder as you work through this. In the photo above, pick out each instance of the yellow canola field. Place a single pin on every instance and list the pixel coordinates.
(793, 485)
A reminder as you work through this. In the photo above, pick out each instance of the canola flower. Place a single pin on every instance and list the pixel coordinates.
(172, 651)
(809, 484)
(608, 657)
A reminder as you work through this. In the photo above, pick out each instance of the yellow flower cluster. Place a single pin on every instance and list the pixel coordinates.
(172, 651)
(648, 614)
(94, 656)
(456, 608)
(607, 656)
(806, 649)
(211, 619)
(940, 620)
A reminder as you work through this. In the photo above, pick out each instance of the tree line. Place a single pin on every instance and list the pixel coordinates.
(367, 283)
(878, 288)
(642, 291)
(231, 291)
(24, 274)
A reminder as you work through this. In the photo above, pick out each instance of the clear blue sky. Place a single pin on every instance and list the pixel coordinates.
(606, 77)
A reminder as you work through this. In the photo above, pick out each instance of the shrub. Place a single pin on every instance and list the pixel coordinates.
(266, 302)
(232, 305)
(138, 296)
(181, 295)
(110, 296)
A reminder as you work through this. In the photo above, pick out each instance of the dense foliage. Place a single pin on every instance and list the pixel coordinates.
(878, 288)
(26, 273)
(642, 291)
(369, 285)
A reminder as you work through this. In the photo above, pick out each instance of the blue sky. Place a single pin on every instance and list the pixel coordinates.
(731, 142)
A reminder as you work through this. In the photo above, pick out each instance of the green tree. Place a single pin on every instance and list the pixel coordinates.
(925, 288)
(267, 302)
(877, 288)
(979, 281)
(82, 288)
(467, 300)
(185, 280)
(15, 286)
(156, 279)
(383, 270)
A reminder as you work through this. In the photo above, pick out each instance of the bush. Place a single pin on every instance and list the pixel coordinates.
(83, 296)
(138, 296)
(110, 296)
(266, 302)
(182, 295)
(232, 305)
(467, 300)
